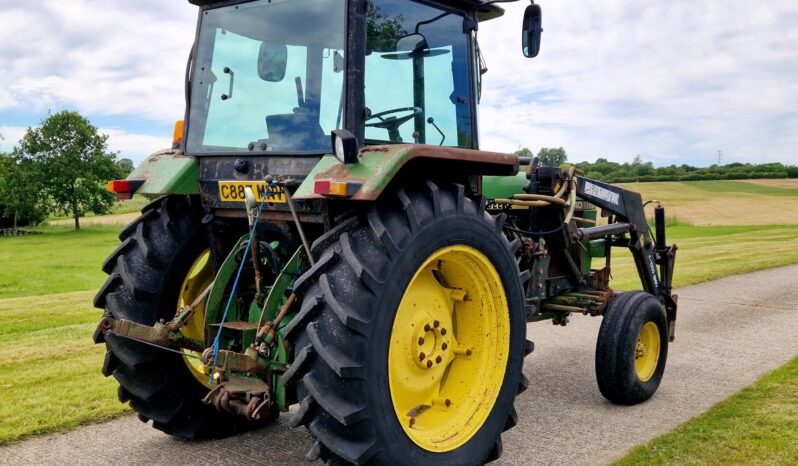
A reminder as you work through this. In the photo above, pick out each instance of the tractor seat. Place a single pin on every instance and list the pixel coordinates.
(298, 131)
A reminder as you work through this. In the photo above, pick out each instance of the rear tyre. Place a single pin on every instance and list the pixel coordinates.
(146, 275)
(411, 334)
(632, 348)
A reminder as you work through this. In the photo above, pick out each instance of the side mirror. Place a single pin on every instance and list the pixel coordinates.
(272, 62)
(533, 29)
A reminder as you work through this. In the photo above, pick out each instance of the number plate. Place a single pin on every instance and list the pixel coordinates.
(233, 191)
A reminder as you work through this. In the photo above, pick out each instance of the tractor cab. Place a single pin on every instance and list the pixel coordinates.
(277, 77)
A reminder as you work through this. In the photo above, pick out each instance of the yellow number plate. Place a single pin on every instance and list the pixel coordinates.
(233, 191)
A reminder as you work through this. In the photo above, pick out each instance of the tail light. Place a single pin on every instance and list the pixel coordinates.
(124, 189)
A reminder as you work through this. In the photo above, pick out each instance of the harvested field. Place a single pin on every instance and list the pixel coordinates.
(711, 203)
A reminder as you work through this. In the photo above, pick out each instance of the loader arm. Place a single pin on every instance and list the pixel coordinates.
(628, 209)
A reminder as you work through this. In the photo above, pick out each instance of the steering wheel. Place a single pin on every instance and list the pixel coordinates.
(388, 121)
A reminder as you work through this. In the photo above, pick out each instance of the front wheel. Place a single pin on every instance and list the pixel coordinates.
(632, 348)
(411, 335)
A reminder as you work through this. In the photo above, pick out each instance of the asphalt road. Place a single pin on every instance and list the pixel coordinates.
(729, 332)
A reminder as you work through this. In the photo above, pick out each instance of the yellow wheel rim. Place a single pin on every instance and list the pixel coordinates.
(647, 351)
(199, 277)
(449, 347)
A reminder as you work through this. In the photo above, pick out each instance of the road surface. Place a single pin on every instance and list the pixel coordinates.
(729, 333)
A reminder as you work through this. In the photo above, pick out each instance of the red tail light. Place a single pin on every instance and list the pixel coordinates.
(124, 189)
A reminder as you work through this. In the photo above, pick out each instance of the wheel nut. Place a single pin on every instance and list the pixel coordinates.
(438, 360)
(429, 364)
(436, 324)
(444, 346)
(422, 356)
(420, 341)
(443, 331)
(468, 352)
(448, 402)
(427, 328)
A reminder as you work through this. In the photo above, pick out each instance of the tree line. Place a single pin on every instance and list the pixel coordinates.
(640, 171)
(60, 167)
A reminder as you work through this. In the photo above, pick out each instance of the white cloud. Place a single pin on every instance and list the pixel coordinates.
(99, 57)
(668, 80)
(10, 136)
(134, 146)
(672, 81)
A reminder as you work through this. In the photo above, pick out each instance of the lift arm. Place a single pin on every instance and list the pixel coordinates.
(627, 207)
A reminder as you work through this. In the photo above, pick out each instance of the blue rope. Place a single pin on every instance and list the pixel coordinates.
(233, 292)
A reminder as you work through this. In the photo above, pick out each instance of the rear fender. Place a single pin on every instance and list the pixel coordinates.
(377, 166)
(168, 172)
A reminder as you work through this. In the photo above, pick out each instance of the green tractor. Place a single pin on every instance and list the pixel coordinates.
(329, 235)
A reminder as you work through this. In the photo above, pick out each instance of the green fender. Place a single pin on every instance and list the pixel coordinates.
(378, 165)
(168, 172)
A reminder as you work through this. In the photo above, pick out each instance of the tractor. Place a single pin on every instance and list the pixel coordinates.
(326, 237)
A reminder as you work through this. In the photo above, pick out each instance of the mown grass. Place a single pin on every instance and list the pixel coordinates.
(56, 261)
(758, 425)
(49, 367)
(707, 253)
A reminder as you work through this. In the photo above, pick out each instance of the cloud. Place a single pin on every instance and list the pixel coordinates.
(134, 146)
(99, 57)
(672, 81)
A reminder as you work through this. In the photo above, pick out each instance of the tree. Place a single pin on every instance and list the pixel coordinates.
(72, 163)
(125, 167)
(524, 152)
(552, 157)
(21, 201)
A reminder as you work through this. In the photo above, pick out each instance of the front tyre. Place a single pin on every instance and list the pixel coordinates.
(411, 335)
(632, 348)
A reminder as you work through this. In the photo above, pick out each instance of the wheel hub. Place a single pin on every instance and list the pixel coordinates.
(647, 351)
(433, 345)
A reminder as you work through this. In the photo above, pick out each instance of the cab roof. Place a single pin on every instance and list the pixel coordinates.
(485, 13)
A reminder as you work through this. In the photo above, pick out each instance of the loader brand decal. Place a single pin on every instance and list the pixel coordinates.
(233, 191)
(601, 193)
(653, 269)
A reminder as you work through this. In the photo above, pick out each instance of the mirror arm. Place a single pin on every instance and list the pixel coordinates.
(300, 93)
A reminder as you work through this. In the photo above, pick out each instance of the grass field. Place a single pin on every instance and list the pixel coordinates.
(49, 376)
(50, 370)
(730, 203)
(122, 213)
(131, 206)
(759, 425)
(56, 261)
(706, 253)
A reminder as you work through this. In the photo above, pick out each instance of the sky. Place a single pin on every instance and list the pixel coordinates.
(674, 82)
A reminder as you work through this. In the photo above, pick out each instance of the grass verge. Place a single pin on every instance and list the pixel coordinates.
(758, 425)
